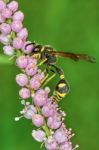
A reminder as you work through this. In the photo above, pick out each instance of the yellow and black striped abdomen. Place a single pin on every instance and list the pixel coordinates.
(61, 90)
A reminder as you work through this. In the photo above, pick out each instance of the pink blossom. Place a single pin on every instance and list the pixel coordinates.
(22, 62)
(6, 13)
(13, 6)
(24, 93)
(38, 120)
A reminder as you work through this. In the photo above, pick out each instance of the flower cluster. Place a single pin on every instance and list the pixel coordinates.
(38, 106)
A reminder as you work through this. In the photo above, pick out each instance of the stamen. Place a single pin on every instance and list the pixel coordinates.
(27, 103)
(23, 102)
(18, 118)
(22, 111)
(76, 147)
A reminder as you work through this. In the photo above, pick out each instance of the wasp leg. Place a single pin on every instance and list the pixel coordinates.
(49, 79)
(42, 62)
(46, 76)
(62, 87)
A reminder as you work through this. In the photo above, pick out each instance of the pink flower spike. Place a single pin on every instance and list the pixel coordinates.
(13, 6)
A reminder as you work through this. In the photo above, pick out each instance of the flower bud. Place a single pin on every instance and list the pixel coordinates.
(13, 6)
(31, 69)
(4, 39)
(5, 28)
(2, 19)
(51, 144)
(6, 13)
(18, 16)
(36, 81)
(18, 43)
(8, 50)
(21, 79)
(40, 97)
(39, 135)
(2, 5)
(24, 93)
(29, 111)
(22, 61)
(23, 34)
(38, 120)
(16, 26)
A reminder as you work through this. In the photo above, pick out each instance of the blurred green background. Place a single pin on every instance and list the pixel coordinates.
(69, 25)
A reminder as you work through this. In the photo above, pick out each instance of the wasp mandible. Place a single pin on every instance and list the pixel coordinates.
(49, 55)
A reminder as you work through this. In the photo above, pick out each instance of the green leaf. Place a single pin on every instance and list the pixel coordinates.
(5, 60)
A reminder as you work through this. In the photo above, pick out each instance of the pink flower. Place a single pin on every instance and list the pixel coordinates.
(18, 16)
(32, 60)
(66, 146)
(51, 144)
(13, 6)
(24, 93)
(2, 5)
(39, 135)
(36, 81)
(61, 136)
(2, 19)
(54, 122)
(23, 34)
(49, 109)
(16, 26)
(31, 69)
(5, 28)
(22, 62)
(4, 39)
(8, 50)
(6, 13)
(18, 43)
(40, 97)
(38, 120)
(29, 111)
(21, 79)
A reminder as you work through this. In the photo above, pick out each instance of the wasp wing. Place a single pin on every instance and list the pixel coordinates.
(74, 56)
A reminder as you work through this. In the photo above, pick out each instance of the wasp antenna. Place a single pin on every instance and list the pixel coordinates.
(32, 43)
(89, 58)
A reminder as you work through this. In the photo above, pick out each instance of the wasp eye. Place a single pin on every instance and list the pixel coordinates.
(37, 48)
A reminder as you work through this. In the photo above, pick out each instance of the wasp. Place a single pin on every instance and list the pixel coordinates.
(49, 55)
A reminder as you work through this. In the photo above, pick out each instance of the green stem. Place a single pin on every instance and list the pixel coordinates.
(46, 129)
(6, 1)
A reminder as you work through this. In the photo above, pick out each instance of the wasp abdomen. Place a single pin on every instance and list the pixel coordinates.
(61, 90)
